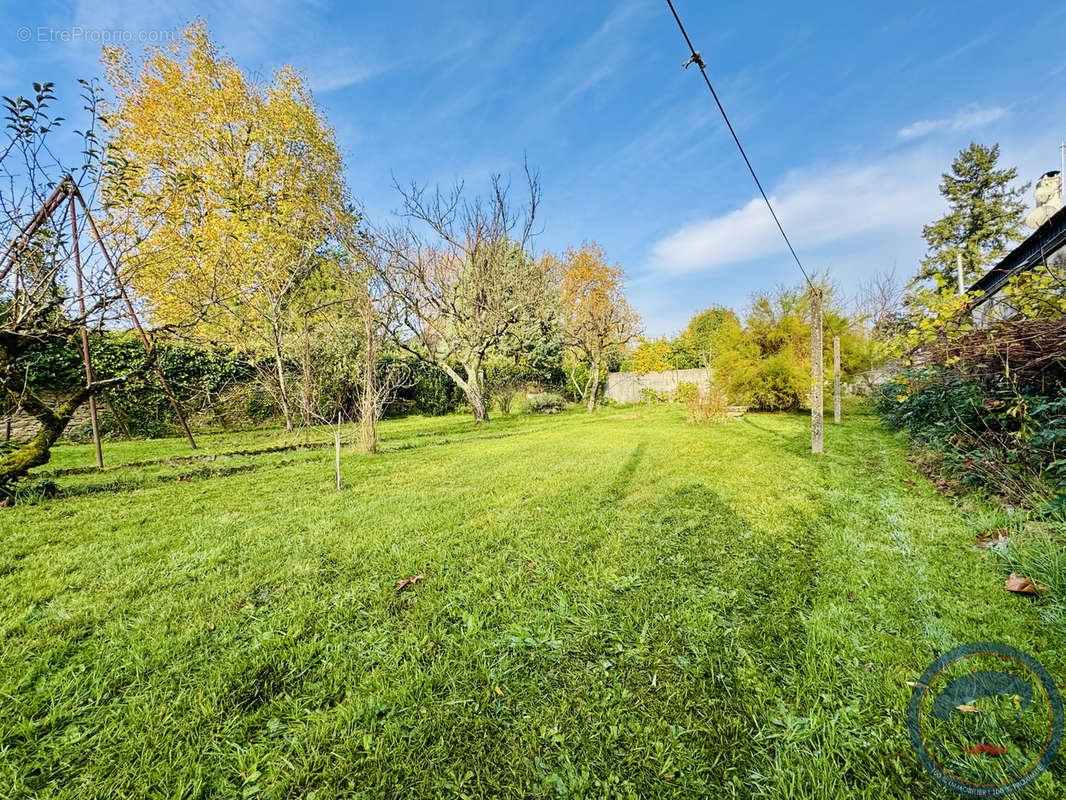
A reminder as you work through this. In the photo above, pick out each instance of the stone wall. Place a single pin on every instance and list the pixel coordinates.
(864, 382)
(626, 387)
(23, 426)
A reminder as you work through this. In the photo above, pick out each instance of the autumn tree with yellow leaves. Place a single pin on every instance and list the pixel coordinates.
(228, 190)
(597, 321)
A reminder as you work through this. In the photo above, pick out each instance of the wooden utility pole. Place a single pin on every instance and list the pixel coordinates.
(836, 380)
(85, 335)
(817, 400)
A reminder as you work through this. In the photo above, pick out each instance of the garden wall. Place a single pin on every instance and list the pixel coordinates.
(626, 387)
(23, 426)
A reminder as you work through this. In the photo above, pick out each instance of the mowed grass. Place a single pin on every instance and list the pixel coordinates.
(614, 605)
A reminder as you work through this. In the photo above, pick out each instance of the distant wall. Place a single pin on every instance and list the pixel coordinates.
(625, 387)
(23, 426)
(864, 382)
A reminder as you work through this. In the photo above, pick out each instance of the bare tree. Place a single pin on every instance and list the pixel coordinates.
(880, 302)
(460, 277)
(351, 331)
(52, 286)
(379, 384)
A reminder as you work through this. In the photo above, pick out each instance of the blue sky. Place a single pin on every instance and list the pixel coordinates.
(850, 112)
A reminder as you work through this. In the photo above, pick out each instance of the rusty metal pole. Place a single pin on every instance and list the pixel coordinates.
(817, 399)
(148, 346)
(85, 334)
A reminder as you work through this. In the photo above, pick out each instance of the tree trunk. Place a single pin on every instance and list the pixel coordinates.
(306, 411)
(368, 405)
(478, 405)
(472, 388)
(282, 394)
(36, 451)
(581, 391)
(476, 393)
(595, 389)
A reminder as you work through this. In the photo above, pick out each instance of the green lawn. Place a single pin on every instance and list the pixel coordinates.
(614, 605)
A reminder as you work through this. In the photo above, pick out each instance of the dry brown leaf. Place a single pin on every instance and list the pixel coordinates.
(531, 565)
(498, 690)
(1020, 585)
(987, 538)
(968, 708)
(851, 597)
(403, 583)
(986, 747)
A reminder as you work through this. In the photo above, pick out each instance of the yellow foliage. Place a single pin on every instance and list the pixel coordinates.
(225, 188)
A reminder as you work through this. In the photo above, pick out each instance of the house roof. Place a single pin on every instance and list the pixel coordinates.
(1034, 251)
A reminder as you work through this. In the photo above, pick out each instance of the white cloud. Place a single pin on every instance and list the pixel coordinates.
(817, 207)
(969, 118)
(340, 70)
(599, 56)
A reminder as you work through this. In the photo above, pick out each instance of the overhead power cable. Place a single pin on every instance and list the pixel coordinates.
(697, 59)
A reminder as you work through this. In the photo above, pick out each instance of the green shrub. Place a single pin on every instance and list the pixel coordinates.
(703, 406)
(431, 392)
(985, 431)
(652, 397)
(545, 403)
(778, 383)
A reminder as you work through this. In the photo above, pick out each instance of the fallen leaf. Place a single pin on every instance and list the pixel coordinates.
(403, 583)
(1019, 585)
(498, 690)
(851, 597)
(986, 747)
(210, 625)
(988, 538)
(969, 709)
(908, 480)
(531, 565)
(184, 479)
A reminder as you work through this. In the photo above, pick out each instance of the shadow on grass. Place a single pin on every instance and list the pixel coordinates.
(624, 479)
